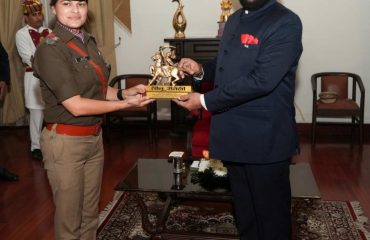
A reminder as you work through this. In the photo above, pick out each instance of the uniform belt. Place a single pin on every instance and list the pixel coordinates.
(28, 69)
(73, 130)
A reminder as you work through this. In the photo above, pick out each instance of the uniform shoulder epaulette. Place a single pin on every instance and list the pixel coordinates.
(51, 39)
(93, 38)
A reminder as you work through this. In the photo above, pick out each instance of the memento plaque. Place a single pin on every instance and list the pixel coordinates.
(165, 76)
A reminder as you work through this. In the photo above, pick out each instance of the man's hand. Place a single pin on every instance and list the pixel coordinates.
(190, 101)
(189, 66)
(3, 89)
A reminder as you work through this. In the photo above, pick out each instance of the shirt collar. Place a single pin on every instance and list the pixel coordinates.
(66, 34)
(267, 5)
(35, 29)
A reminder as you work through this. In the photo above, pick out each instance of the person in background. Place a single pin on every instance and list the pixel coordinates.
(253, 128)
(73, 76)
(5, 175)
(27, 39)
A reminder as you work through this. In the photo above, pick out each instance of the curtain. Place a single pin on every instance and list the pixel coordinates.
(101, 25)
(121, 9)
(11, 16)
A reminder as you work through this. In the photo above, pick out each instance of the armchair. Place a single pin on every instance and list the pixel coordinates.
(349, 102)
(135, 114)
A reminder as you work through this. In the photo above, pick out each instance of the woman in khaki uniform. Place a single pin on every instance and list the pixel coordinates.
(73, 78)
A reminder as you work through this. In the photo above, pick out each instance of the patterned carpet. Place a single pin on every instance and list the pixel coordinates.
(312, 219)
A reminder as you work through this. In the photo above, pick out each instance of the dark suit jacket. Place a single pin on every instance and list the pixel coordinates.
(253, 99)
(4, 65)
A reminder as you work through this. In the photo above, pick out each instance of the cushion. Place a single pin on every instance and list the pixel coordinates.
(200, 138)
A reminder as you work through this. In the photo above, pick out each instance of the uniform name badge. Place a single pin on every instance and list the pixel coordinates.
(164, 83)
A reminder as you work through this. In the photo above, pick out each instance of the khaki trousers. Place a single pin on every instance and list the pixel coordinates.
(74, 166)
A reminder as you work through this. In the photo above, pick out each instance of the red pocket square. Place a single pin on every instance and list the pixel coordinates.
(247, 39)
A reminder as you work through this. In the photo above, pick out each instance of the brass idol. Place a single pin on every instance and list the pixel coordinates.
(179, 20)
(226, 6)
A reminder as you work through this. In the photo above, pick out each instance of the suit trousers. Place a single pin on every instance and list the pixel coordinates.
(74, 167)
(262, 200)
(36, 119)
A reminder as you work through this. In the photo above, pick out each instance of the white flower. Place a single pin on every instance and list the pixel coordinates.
(203, 165)
(220, 173)
(215, 165)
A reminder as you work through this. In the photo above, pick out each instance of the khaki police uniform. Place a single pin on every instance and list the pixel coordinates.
(73, 157)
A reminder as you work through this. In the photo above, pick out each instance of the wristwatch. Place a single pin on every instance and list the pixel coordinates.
(120, 95)
(199, 75)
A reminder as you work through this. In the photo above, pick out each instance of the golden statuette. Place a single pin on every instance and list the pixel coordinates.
(179, 20)
(226, 6)
(165, 74)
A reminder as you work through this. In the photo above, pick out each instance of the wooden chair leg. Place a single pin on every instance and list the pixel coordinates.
(361, 132)
(107, 127)
(152, 122)
(150, 128)
(353, 125)
(313, 131)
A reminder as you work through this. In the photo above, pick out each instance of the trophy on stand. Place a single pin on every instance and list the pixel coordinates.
(226, 6)
(165, 76)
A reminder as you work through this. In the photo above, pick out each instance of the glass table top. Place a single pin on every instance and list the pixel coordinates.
(157, 175)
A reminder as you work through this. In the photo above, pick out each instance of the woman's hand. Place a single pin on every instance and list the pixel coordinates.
(134, 91)
(138, 100)
(135, 96)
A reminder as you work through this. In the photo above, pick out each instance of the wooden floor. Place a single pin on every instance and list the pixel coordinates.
(342, 172)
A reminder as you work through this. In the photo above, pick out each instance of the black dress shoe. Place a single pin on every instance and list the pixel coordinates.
(5, 175)
(36, 154)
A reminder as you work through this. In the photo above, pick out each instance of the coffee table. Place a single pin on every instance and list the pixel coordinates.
(157, 175)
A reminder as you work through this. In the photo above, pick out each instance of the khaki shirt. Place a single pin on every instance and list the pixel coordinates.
(65, 74)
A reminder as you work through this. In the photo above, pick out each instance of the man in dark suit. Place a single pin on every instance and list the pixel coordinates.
(253, 128)
(4, 80)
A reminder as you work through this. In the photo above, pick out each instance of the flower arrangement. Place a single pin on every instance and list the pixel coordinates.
(215, 165)
(211, 174)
